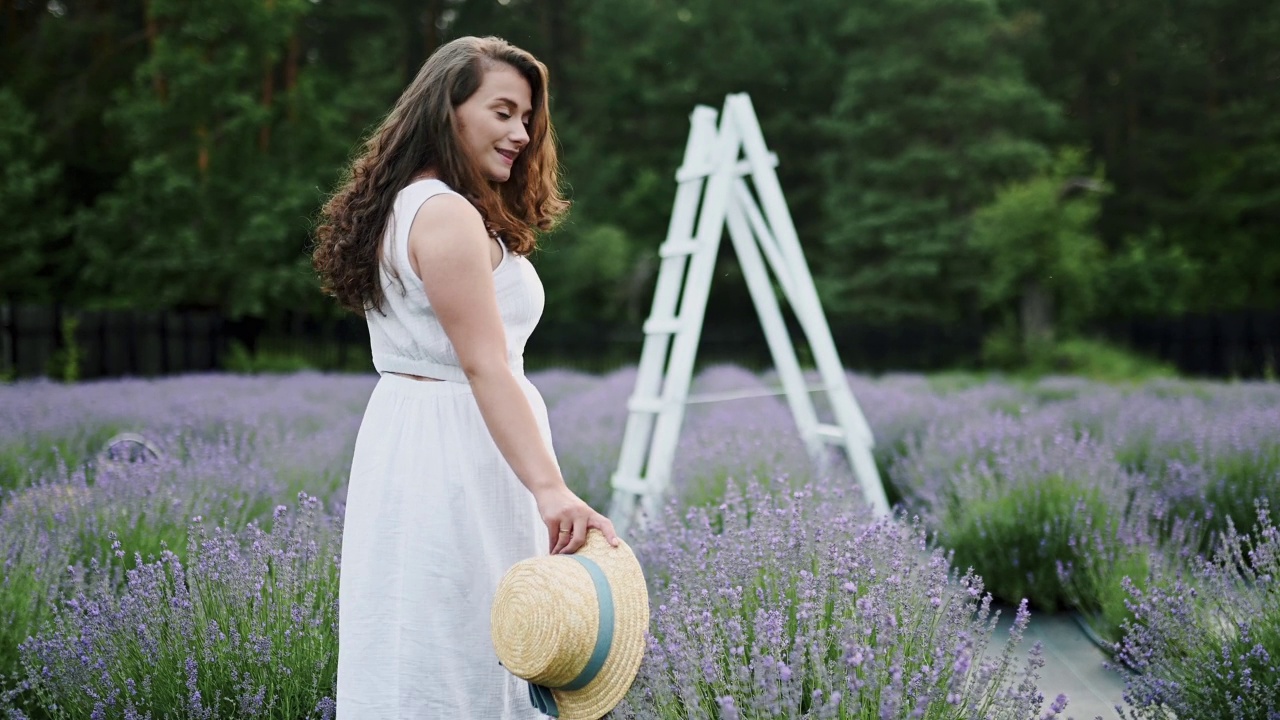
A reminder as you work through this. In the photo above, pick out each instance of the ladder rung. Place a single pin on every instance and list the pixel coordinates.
(634, 485)
(677, 248)
(663, 326)
(651, 405)
(746, 394)
(830, 433)
(743, 167)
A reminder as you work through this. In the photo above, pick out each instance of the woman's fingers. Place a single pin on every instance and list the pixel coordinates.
(579, 537)
(553, 535)
(564, 534)
(567, 529)
(606, 526)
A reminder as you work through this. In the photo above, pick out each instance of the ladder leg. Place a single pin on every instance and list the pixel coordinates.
(775, 329)
(806, 303)
(693, 307)
(638, 434)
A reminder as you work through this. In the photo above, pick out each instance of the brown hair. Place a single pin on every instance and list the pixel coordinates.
(420, 133)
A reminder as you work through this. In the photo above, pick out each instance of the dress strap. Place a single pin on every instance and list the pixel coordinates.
(408, 203)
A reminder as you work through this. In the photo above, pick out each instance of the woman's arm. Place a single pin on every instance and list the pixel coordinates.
(451, 252)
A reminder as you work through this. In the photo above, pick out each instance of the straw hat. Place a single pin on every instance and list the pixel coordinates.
(546, 627)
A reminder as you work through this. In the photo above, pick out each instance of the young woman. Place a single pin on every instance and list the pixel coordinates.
(454, 478)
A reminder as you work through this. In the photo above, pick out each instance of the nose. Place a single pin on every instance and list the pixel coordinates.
(519, 134)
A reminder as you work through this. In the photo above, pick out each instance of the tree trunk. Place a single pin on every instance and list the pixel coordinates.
(10, 20)
(431, 27)
(202, 156)
(268, 95)
(291, 74)
(553, 25)
(153, 35)
(1037, 317)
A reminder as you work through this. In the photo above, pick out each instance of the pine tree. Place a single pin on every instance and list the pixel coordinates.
(235, 136)
(932, 115)
(31, 210)
(1181, 103)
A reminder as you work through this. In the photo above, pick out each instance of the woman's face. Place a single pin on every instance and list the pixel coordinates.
(493, 122)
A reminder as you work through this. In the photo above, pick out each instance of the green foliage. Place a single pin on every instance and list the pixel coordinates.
(1036, 241)
(275, 355)
(931, 114)
(1004, 349)
(31, 219)
(1098, 360)
(240, 360)
(227, 168)
(204, 199)
(596, 272)
(1017, 533)
(64, 364)
(1149, 274)
(639, 69)
(1097, 585)
(173, 153)
(1177, 101)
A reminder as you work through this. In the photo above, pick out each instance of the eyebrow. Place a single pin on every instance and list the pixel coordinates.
(511, 104)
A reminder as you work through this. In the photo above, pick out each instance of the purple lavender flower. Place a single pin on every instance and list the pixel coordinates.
(1204, 642)
(792, 604)
(166, 626)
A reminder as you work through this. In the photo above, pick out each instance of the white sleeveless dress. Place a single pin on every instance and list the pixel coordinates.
(435, 516)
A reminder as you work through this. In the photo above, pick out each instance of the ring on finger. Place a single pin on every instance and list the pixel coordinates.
(565, 532)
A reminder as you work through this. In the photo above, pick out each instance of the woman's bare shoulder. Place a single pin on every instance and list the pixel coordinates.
(448, 229)
(449, 210)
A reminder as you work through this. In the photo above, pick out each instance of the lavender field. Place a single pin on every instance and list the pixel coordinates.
(201, 581)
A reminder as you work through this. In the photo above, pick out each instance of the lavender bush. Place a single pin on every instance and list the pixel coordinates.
(145, 507)
(736, 439)
(1016, 500)
(231, 449)
(246, 627)
(587, 427)
(1206, 644)
(777, 605)
(1056, 489)
(46, 426)
(1226, 461)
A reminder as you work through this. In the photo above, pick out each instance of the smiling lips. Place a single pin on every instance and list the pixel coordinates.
(508, 155)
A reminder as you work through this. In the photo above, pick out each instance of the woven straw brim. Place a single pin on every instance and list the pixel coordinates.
(526, 627)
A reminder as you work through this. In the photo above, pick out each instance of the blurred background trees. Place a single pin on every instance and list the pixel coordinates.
(173, 153)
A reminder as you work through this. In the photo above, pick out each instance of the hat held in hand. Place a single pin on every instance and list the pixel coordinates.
(574, 627)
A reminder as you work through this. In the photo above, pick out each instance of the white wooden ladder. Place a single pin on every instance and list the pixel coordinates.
(714, 175)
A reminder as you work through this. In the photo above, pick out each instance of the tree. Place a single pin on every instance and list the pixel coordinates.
(932, 115)
(31, 216)
(1181, 102)
(637, 71)
(235, 136)
(1037, 240)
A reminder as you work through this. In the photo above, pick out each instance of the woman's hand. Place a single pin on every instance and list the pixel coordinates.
(567, 518)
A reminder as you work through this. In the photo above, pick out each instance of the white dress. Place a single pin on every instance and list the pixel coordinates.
(435, 516)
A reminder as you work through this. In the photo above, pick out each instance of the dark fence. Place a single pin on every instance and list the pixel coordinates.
(59, 342)
(51, 340)
(1243, 344)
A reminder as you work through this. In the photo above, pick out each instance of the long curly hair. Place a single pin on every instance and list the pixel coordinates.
(420, 133)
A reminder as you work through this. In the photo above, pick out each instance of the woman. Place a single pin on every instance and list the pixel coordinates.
(454, 478)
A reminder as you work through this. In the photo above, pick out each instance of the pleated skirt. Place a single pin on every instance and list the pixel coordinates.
(434, 519)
